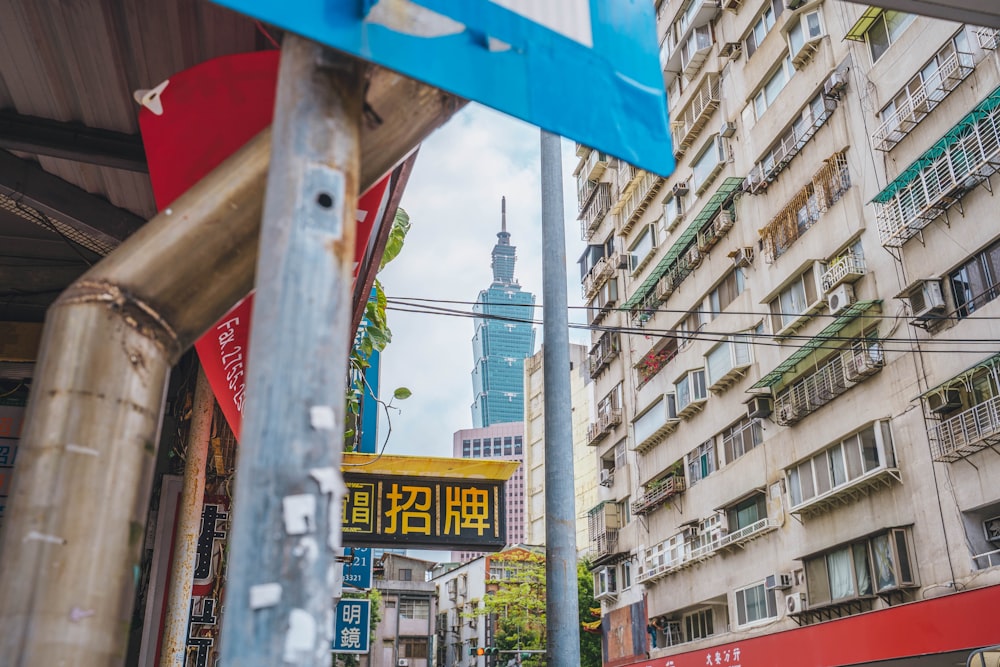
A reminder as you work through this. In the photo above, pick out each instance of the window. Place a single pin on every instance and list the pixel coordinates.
(413, 647)
(690, 388)
(701, 462)
(727, 360)
(605, 581)
(726, 292)
(806, 29)
(414, 608)
(624, 512)
(932, 83)
(853, 457)
(405, 574)
(763, 25)
(775, 84)
(977, 282)
(698, 625)
(695, 49)
(796, 299)
(466, 449)
(747, 512)
(641, 250)
(863, 568)
(626, 576)
(708, 163)
(755, 604)
(740, 438)
(885, 30)
(673, 210)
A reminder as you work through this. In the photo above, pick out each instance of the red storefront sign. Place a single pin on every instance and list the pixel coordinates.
(962, 621)
(208, 112)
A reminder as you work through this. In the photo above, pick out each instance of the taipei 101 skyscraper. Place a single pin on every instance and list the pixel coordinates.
(504, 338)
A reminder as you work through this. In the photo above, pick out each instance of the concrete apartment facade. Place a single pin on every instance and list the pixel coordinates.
(794, 344)
(584, 463)
(403, 637)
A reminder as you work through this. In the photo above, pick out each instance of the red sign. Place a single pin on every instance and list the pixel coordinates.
(954, 622)
(207, 113)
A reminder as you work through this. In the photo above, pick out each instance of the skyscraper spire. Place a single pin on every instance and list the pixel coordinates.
(503, 252)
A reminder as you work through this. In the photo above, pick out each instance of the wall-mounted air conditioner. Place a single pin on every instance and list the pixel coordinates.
(743, 257)
(945, 401)
(991, 528)
(607, 476)
(728, 129)
(778, 581)
(836, 84)
(680, 188)
(926, 302)
(840, 298)
(795, 603)
(403, 662)
(759, 407)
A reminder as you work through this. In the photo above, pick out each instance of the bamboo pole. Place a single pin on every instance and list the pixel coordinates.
(178, 612)
(72, 544)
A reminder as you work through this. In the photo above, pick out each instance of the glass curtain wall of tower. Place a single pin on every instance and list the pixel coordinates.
(504, 338)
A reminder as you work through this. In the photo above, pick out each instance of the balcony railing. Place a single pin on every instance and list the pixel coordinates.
(832, 379)
(748, 533)
(658, 493)
(692, 120)
(989, 38)
(605, 423)
(790, 145)
(603, 353)
(967, 432)
(603, 546)
(627, 176)
(594, 166)
(597, 206)
(637, 202)
(846, 268)
(968, 155)
(985, 560)
(923, 100)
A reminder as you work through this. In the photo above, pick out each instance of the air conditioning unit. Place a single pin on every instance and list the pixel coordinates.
(991, 529)
(689, 532)
(680, 189)
(731, 49)
(794, 4)
(795, 603)
(403, 662)
(789, 413)
(926, 302)
(778, 581)
(728, 129)
(742, 257)
(840, 298)
(836, 84)
(755, 182)
(693, 257)
(759, 407)
(945, 401)
(606, 477)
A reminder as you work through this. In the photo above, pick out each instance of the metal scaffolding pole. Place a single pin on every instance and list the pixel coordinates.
(178, 612)
(286, 518)
(72, 545)
(561, 605)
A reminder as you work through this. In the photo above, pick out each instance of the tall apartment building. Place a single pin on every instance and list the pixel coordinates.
(795, 344)
(504, 338)
(500, 441)
(585, 480)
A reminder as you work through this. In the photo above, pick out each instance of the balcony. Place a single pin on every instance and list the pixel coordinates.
(713, 232)
(931, 92)
(962, 159)
(767, 170)
(847, 268)
(638, 201)
(594, 166)
(967, 432)
(597, 206)
(747, 534)
(604, 352)
(605, 423)
(603, 546)
(689, 123)
(627, 177)
(833, 378)
(602, 271)
(657, 493)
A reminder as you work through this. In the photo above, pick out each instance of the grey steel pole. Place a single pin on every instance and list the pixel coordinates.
(178, 612)
(286, 518)
(74, 538)
(562, 605)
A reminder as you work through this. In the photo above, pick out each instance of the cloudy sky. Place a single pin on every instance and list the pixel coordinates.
(453, 199)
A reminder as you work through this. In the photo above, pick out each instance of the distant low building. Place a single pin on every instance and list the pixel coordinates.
(404, 636)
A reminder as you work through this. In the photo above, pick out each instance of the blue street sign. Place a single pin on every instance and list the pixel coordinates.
(358, 573)
(352, 626)
(588, 70)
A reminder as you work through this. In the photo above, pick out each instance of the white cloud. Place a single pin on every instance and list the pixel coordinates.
(453, 199)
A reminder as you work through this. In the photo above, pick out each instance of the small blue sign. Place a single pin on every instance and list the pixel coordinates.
(358, 572)
(352, 626)
(588, 70)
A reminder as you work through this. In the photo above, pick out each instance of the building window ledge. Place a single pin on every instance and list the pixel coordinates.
(844, 495)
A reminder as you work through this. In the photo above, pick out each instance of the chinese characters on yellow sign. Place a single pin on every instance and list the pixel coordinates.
(421, 512)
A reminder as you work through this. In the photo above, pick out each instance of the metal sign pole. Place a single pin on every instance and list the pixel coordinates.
(286, 507)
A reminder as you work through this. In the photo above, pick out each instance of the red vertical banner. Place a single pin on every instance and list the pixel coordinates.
(206, 113)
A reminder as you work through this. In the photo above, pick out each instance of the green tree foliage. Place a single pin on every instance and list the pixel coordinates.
(515, 601)
(590, 642)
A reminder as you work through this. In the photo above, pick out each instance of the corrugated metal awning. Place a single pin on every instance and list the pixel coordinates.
(964, 376)
(949, 139)
(705, 216)
(814, 343)
(864, 22)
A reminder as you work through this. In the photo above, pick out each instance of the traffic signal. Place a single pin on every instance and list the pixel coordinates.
(480, 651)
(492, 650)
(473, 651)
